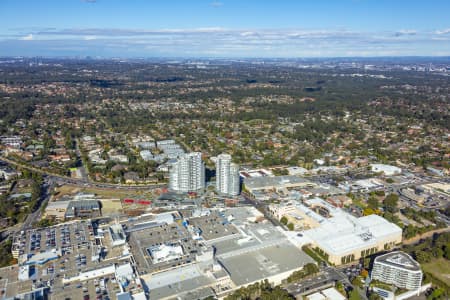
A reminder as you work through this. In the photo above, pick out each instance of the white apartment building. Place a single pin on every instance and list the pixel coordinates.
(399, 269)
(187, 173)
(227, 176)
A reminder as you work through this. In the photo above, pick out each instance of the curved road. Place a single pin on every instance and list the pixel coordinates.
(68, 180)
(51, 179)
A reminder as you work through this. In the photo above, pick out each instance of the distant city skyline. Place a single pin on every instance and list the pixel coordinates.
(325, 28)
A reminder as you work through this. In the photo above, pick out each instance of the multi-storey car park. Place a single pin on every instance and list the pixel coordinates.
(234, 247)
(160, 256)
(73, 260)
(186, 252)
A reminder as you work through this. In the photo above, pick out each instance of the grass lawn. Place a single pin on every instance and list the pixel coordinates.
(440, 268)
(313, 254)
(381, 285)
(359, 203)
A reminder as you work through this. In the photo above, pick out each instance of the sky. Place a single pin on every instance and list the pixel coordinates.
(225, 28)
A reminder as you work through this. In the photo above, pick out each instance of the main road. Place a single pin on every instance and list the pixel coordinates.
(36, 215)
(62, 179)
(51, 180)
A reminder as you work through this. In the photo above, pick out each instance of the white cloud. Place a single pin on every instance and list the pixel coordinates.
(444, 31)
(405, 32)
(203, 29)
(237, 42)
(248, 33)
(120, 32)
(27, 37)
(216, 4)
(441, 38)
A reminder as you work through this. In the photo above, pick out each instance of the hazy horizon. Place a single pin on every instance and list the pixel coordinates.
(224, 29)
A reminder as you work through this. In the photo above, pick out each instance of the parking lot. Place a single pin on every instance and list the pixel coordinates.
(67, 237)
(80, 247)
(141, 240)
(351, 271)
(213, 226)
(103, 288)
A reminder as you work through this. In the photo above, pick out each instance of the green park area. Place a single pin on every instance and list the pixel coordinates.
(439, 268)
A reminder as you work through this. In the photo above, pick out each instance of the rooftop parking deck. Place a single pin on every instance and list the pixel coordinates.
(141, 240)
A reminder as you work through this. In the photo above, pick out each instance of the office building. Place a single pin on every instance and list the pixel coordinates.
(227, 176)
(187, 173)
(399, 269)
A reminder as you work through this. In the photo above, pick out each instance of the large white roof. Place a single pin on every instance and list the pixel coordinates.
(125, 271)
(342, 233)
(332, 293)
(387, 169)
(316, 296)
(379, 226)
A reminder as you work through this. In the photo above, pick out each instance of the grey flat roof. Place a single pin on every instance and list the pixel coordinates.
(250, 234)
(256, 234)
(232, 245)
(331, 190)
(142, 226)
(261, 182)
(176, 281)
(84, 204)
(198, 294)
(179, 287)
(213, 226)
(259, 264)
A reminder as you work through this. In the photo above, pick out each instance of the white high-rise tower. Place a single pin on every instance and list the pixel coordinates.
(187, 174)
(227, 176)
